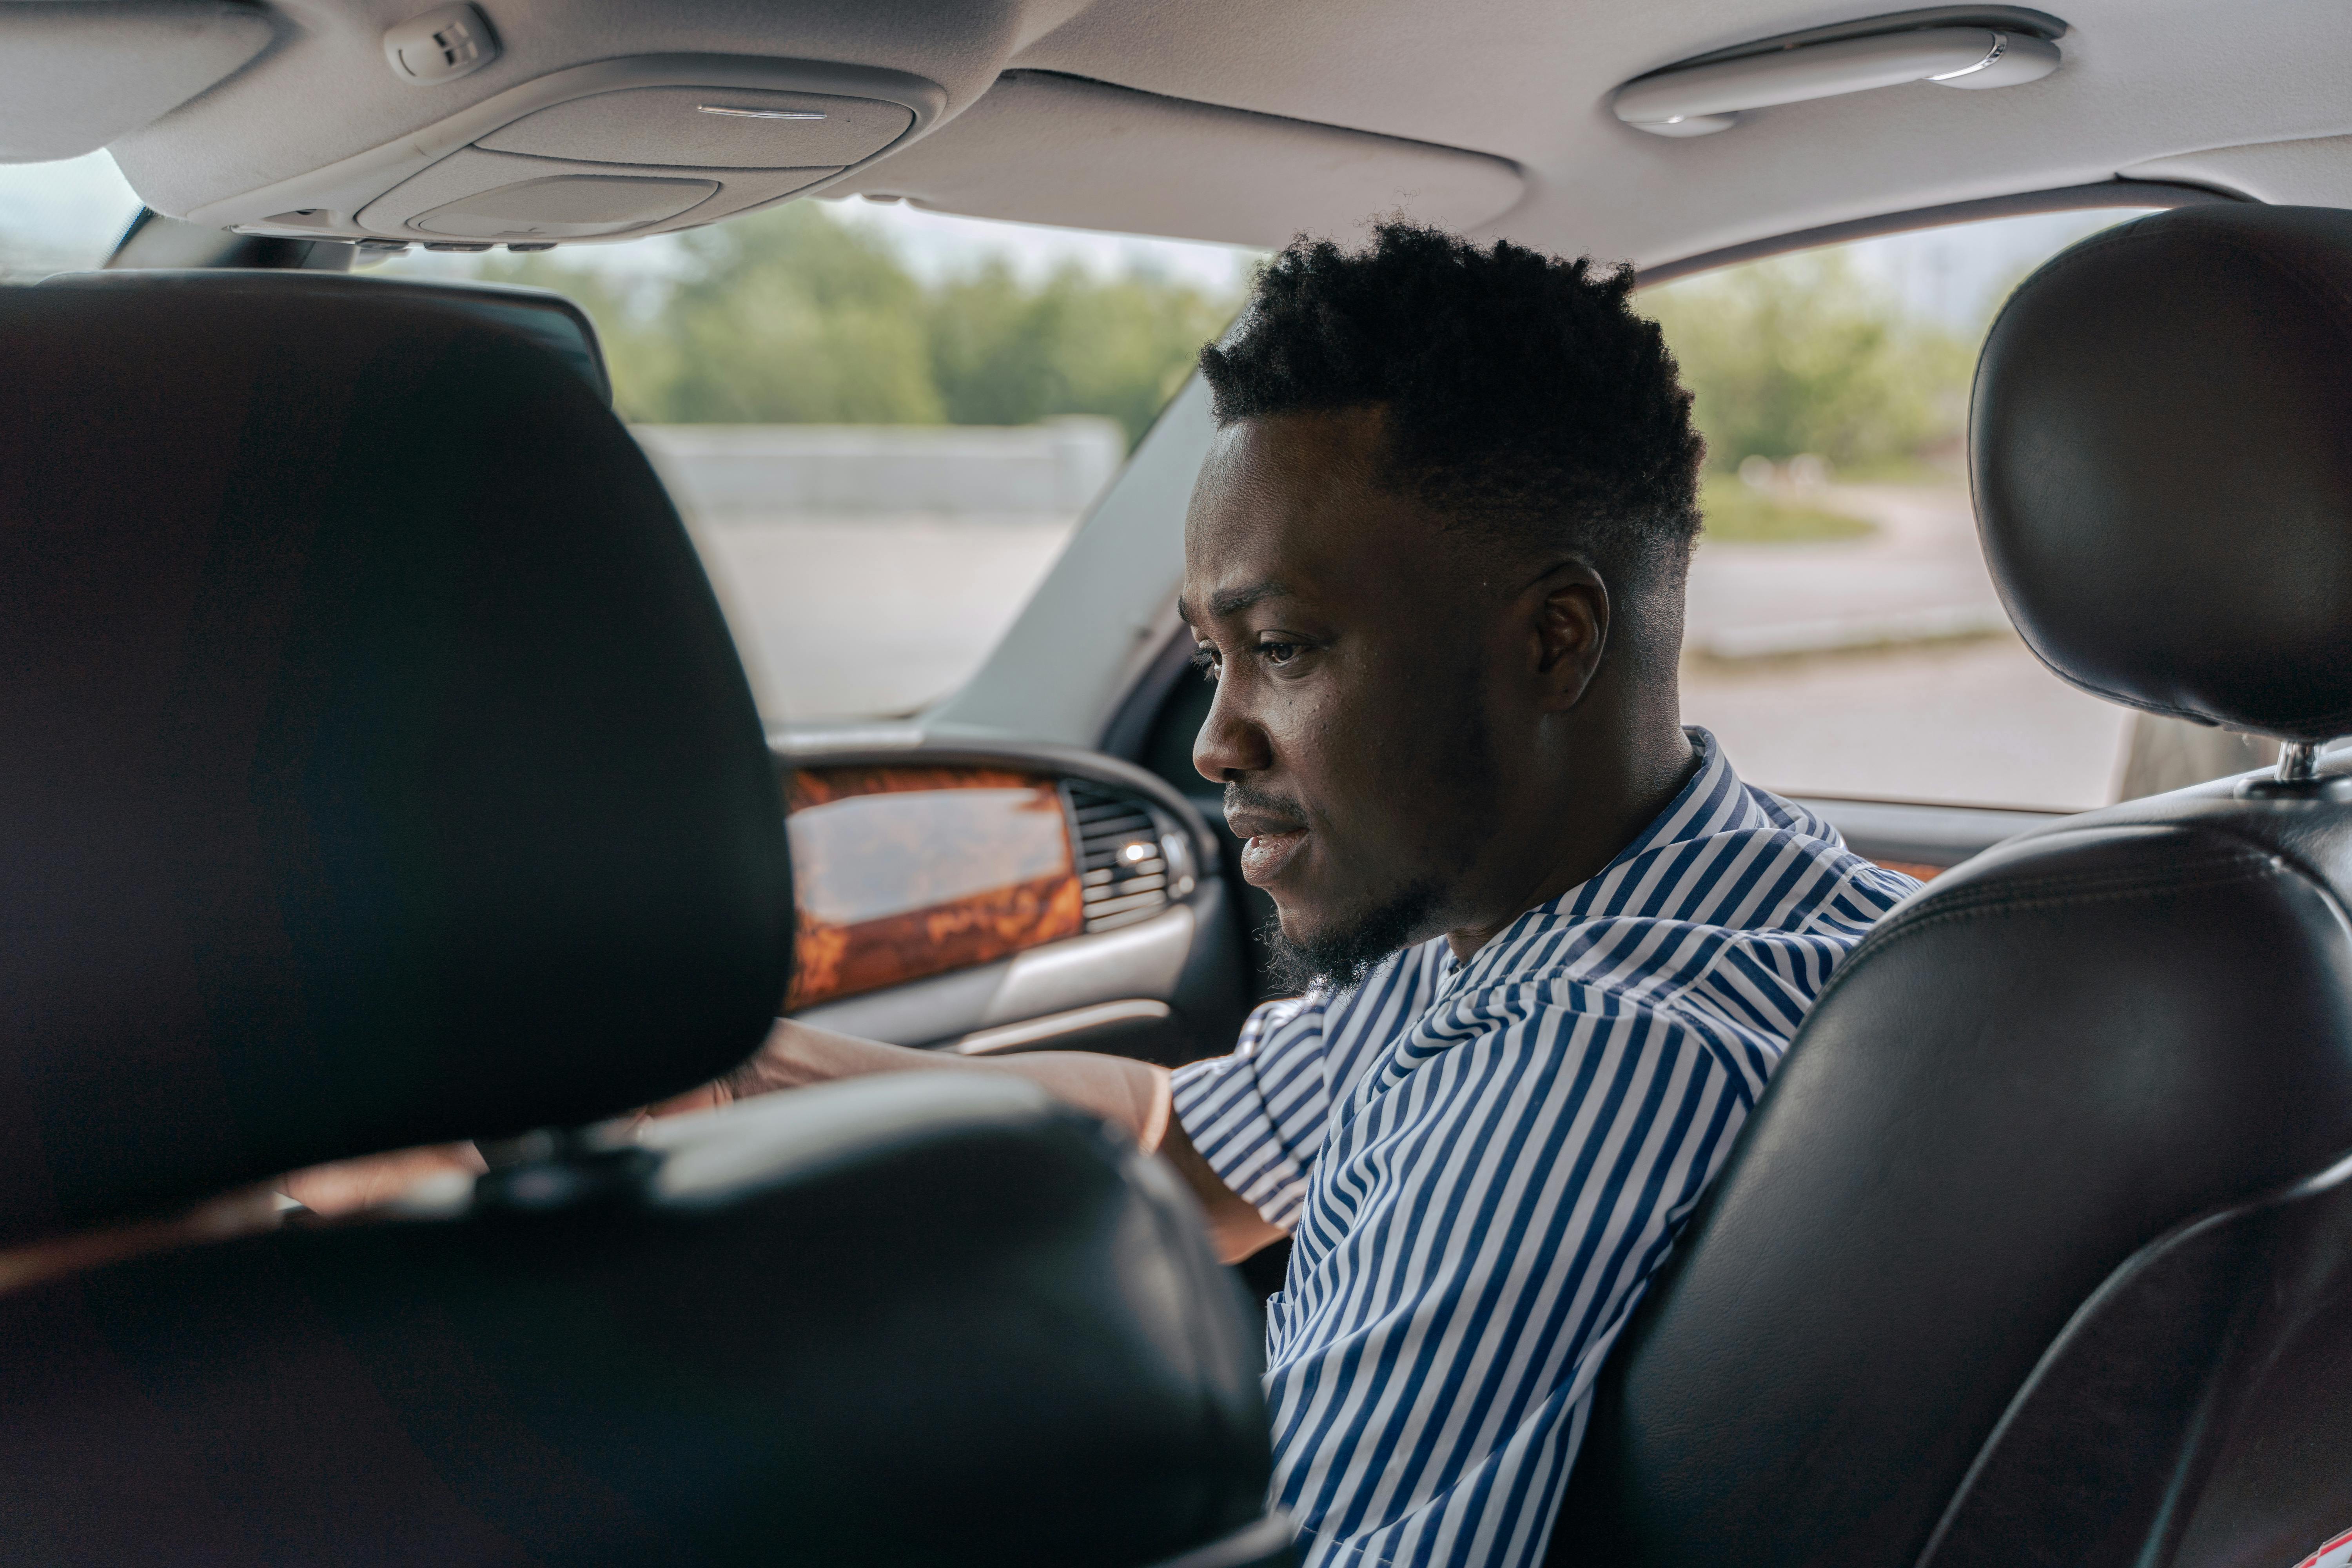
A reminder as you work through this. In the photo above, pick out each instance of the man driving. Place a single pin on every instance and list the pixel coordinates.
(1548, 945)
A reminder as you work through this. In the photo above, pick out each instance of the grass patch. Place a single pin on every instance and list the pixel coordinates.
(1737, 513)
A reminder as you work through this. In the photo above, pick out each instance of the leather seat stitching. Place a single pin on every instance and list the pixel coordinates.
(2004, 900)
(2225, 862)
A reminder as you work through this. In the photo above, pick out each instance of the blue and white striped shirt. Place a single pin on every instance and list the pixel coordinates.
(1481, 1165)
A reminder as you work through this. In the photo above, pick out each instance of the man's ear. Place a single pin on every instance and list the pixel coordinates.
(1571, 608)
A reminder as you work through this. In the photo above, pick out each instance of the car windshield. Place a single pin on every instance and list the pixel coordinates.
(881, 424)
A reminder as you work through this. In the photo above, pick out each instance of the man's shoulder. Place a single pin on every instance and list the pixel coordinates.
(1732, 927)
(1772, 867)
(1774, 900)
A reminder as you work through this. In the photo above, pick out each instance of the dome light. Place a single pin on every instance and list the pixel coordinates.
(1710, 94)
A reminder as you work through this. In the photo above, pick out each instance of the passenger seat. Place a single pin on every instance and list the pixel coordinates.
(2038, 1249)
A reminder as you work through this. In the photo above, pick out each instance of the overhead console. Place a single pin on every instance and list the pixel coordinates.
(483, 123)
(631, 147)
(619, 148)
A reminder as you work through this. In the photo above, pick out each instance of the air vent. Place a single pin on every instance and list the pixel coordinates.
(1125, 847)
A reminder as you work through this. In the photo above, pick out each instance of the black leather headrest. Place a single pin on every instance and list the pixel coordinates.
(375, 767)
(2161, 441)
(548, 319)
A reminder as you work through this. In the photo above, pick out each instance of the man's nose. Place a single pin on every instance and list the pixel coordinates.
(1231, 743)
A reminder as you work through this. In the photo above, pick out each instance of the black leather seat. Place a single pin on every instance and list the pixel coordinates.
(2039, 1247)
(379, 771)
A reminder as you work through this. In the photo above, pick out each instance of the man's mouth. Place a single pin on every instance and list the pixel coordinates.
(1270, 834)
(1264, 855)
(1271, 829)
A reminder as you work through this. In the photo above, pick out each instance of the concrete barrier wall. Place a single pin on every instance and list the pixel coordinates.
(722, 471)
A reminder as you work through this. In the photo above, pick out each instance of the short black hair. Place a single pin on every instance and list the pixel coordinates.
(1523, 395)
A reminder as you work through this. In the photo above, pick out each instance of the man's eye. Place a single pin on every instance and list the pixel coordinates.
(1277, 652)
(1205, 660)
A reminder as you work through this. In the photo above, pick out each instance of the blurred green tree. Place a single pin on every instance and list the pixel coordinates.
(1005, 354)
(794, 316)
(1799, 354)
(797, 316)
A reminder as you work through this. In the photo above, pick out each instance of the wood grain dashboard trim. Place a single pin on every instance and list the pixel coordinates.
(977, 865)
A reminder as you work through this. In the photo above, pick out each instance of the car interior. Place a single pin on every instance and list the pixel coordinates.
(388, 768)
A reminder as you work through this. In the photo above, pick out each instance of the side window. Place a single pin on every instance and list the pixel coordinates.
(63, 216)
(1844, 638)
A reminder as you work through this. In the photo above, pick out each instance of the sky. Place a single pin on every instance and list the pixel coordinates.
(67, 215)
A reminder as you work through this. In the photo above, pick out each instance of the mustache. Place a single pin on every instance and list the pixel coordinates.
(1240, 796)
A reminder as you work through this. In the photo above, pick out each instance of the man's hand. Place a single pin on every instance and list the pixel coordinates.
(347, 1186)
(1131, 1095)
(1235, 1227)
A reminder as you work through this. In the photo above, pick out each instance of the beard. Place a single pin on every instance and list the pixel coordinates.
(1342, 957)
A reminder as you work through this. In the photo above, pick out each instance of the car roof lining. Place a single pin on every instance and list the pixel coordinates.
(1032, 149)
(2149, 89)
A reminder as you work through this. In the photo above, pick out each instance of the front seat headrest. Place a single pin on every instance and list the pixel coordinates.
(376, 765)
(555, 323)
(2161, 448)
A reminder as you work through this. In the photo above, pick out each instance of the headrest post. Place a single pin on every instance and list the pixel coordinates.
(2296, 777)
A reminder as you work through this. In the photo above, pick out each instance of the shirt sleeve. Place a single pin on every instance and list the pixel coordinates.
(1257, 1116)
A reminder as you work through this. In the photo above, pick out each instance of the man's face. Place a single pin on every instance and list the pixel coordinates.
(1349, 640)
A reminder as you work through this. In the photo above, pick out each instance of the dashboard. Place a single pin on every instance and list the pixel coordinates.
(992, 899)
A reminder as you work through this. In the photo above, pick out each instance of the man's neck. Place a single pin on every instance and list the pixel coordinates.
(1590, 822)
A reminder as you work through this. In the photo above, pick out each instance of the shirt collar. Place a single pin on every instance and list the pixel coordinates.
(1713, 801)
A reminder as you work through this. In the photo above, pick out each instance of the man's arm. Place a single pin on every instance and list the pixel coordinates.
(1131, 1095)
(1236, 1226)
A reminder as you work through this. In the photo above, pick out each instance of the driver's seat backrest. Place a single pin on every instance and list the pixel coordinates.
(376, 770)
(2037, 1249)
